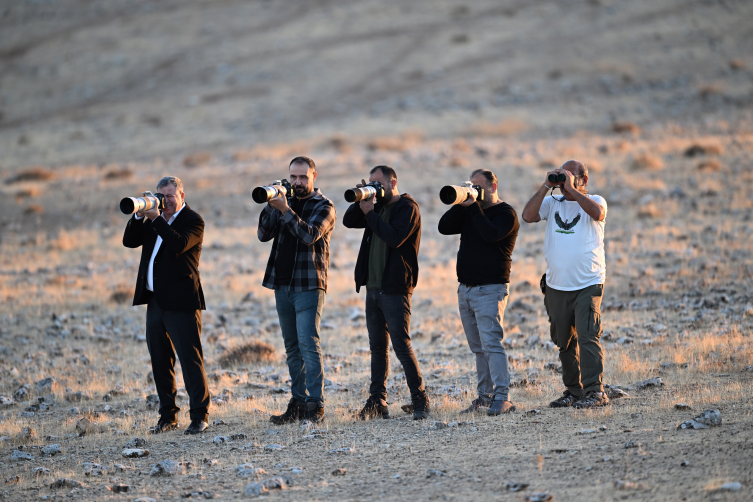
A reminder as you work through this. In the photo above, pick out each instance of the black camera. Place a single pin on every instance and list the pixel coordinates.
(263, 194)
(457, 194)
(370, 189)
(147, 201)
(556, 178)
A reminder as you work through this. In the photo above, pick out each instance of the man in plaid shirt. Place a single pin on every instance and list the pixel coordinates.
(297, 271)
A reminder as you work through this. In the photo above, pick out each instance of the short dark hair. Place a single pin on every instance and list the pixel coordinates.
(490, 176)
(303, 160)
(387, 171)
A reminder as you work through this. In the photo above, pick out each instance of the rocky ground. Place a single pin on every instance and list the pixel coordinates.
(653, 96)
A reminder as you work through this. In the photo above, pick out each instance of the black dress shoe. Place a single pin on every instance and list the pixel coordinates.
(197, 427)
(163, 426)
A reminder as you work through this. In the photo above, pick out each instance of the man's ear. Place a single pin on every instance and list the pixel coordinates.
(585, 180)
(313, 176)
(494, 188)
(393, 183)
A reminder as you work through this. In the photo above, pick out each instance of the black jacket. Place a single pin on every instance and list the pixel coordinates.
(177, 285)
(403, 236)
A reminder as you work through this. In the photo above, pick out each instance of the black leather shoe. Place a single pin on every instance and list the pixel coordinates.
(293, 413)
(197, 427)
(163, 426)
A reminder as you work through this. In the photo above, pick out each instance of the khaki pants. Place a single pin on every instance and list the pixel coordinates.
(575, 326)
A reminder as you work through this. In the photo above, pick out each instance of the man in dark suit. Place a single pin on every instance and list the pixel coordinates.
(169, 284)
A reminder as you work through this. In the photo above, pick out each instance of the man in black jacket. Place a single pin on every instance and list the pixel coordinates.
(388, 266)
(168, 283)
(488, 230)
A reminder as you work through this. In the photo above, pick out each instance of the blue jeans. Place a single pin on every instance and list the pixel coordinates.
(482, 309)
(299, 315)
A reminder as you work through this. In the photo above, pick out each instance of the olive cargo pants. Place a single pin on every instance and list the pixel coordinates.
(575, 327)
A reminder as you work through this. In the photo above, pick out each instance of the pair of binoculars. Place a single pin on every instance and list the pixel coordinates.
(556, 178)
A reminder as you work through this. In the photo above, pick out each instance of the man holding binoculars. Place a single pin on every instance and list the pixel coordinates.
(388, 266)
(574, 281)
(488, 229)
(301, 224)
(168, 282)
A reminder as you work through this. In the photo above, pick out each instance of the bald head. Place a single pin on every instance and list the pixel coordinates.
(576, 167)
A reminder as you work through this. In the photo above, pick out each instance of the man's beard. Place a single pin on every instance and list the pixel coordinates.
(301, 191)
(388, 194)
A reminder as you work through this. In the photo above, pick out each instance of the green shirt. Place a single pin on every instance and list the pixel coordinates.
(378, 253)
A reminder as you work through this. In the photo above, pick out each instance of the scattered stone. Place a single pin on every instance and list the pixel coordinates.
(220, 440)
(77, 397)
(712, 418)
(584, 432)
(437, 425)
(341, 472)
(553, 367)
(628, 485)
(684, 463)
(21, 394)
(343, 451)
(278, 483)
(730, 487)
(682, 406)
(210, 462)
(614, 392)
(18, 455)
(152, 402)
(219, 421)
(26, 435)
(145, 499)
(13, 480)
(532, 413)
(632, 444)
(135, 443)
(38, 471)
(74, 411)
(67, 483)
(273, 447)
(651, 382)
(135, 453)
(121, 488)
(248, 470)
(539, 497)
(240, 435)
(166, 468)
(84, 426)
(692, 424)
(515, 486)
(435, 473)
(6, 401)
(45, 385)
(52, 450)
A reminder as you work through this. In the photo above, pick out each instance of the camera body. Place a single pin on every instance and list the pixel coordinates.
(147, 201)
(556, 178)
(262, 195)
(371, 189)
(457, 194)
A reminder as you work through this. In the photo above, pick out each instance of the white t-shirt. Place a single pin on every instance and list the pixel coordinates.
(574, 244)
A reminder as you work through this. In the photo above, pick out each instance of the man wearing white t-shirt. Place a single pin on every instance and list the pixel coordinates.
(575, 274)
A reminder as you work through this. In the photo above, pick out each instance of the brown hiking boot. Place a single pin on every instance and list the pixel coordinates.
(592, 399)
(565, 401)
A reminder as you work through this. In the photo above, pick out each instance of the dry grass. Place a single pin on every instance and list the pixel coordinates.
(31, 174)
(698, 149)
(626, 127)
(646, 162)
(253, 352)
(198, 159)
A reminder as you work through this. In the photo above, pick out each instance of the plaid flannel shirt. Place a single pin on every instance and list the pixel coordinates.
(313, 229)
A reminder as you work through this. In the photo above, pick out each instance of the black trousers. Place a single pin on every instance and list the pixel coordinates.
(388, 316)
(169, 332)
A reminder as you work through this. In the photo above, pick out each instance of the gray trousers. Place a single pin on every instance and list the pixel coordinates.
(482, 309)
(575, 327)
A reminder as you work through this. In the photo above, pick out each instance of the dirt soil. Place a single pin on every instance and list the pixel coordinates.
(98, 100)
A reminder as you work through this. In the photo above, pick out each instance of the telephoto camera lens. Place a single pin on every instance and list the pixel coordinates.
(454, 194)
(130, 205)
(362, 193)
(556, 178)
(262, 195)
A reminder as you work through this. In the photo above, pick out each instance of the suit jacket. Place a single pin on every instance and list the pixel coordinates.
(177, 285)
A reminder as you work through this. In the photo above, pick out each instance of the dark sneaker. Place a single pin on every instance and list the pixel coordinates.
(313, 413)
(421, 407)
(292, 414)
(592, 399)
(476, 405)
(163, 426)
(374, 407)
(197, 427)
(565, 401)
(498, 407)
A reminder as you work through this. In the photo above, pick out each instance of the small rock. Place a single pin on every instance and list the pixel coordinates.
(219, 421)
(13, 480)
(135, 443)
(52, 450)
(74, 411)
(628, 485)
(631, 444)
(272, 447)
(712, 418)
(135, 453)
(692, 424)
(121, 488)
(584, 432)
(602, 427)
(66, 483)
(240, 435)
(339, 472)
(45, 384)
(730, 487)
(515, 486)
(539, 497)
(39, 471)
(436, 425)
(6, 401)
(278, 483)
(210, 462)
(152, 402)
(17, 455)
(651, 382)
(145, 499)
(684, 463)
(84, 426)
(77, 397)
(614, 392)
(532, 413)
(682, 406)
(166, 468)
(26, 435)
(343, 451)
(220, 440)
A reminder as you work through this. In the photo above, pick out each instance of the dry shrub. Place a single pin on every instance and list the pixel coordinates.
(243, 156)
(646, 161)
(121, 295)
(34, 209)
(118, 174)
(64, 241)
(197, 159)
(251, 352)
(338, 143)
(459, 162)
(710, 165)
(626, 127)
(737, 64)
(697, 149)
(31, 174)
(708, 91)
(503, 128)
(28, 192)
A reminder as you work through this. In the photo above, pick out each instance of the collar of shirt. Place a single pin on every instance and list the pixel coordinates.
(176, 214)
